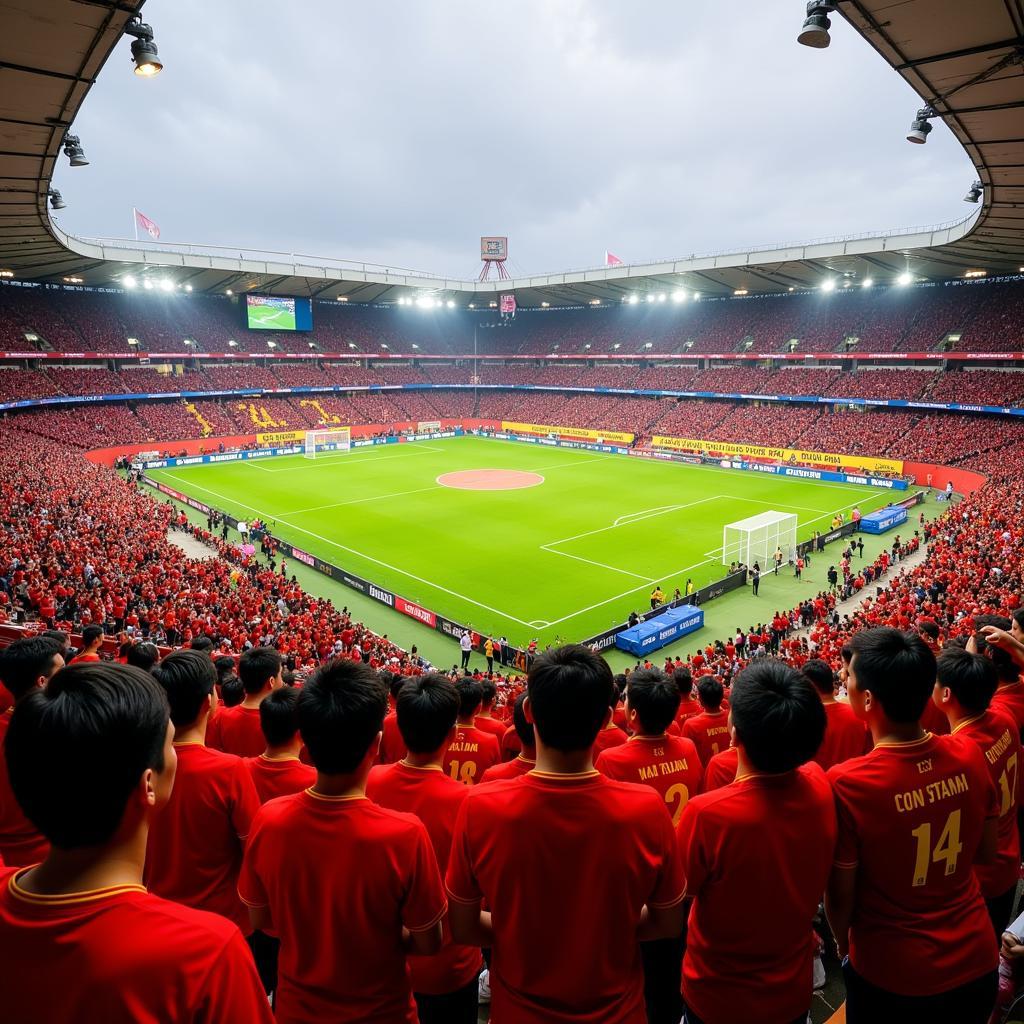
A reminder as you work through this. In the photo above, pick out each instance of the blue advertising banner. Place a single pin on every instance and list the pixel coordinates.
(663, 629)
(884, 519)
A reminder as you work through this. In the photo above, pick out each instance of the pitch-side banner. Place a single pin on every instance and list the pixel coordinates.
(577, 432)
(753, 451)
(281, 437)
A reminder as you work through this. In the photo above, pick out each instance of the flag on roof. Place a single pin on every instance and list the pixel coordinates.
(147, 225)
(611, 260)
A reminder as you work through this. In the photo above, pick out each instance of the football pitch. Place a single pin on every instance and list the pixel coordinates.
(562, 559)
(272, 317)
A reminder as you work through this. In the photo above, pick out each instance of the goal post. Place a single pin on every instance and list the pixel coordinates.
(757, 538)
(323, 442)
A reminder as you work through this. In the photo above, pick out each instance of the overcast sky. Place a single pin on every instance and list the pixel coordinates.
(398, 133)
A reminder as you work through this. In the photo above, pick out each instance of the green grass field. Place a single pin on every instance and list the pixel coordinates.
(271, 317)
(565, 559)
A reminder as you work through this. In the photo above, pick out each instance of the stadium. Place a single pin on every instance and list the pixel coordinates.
(743, 486)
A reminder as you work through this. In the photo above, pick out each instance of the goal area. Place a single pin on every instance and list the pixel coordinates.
(324, 442)
(757, 538)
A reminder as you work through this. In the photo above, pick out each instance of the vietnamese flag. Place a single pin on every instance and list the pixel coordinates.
(611, 260)
(147, 225)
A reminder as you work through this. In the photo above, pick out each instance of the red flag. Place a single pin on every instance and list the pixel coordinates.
(611, 260)
(147, 225)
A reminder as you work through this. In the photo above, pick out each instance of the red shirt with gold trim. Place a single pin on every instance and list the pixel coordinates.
(528, 848)
(435, 799)
(514, 769)
(122, 956)
(911, 817)
(709, 732)
(21, 844)
(470, 754)
(340, 877)
(668, 764)
(195, 842)
(756, 857)
(279, 776)
(846, 736)
(720, 770)
(236, 731)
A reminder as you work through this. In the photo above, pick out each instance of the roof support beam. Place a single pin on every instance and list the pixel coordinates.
(954, 54)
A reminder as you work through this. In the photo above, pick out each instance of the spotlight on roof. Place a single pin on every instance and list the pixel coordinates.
(545, 304)
(188, 287)
(679, 296)
(56, 199)
(343, 298)
(633, 299)
(74, 152)
(974, 193)
(828, 285)
(450, 303)
(128, 281)
(662, 297)
(904, 279)
(148, 285)
(740, 291)
(6, 273)
(595, 302)
(866, 283)
(144, 52)
(816, 25)
(228, 291)
(167, 285)
(920, 127)
(696, 295)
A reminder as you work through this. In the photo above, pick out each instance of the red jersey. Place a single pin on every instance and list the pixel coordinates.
(487, 724)
(470, 754)
(21, 844)
(279, 776)
(1010, 698)
(563, 943)
(845, 736)
(195, 842)
(435, 799)
(392, 746)
(910, 820)
(934, 720)
(122, 956)
(511, 744)
(342, 958)
(709, 732)
(721, 770)
(236, 731)
(688, 708)
(757, 851)
(996, 735)
(608, 737)
(668, 764)
(513, 769)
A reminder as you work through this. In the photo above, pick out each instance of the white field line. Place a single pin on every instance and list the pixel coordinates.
(603, 565)
(355, 551)
(645, 514)
(360, 501)
(350, 457)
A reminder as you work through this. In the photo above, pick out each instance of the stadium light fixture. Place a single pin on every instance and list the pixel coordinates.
(144, 51)
(401, 301)
(6, 273)
(188, 287)
(828, 285)
(167, 285)
(74, 152)
(904, 279)
(633, 299)
(792, 288)
(974, 193)
(148, 285)
(867, 282)
(696, 295)
(492, 305)
(679, 296)
(662, 297)
(228, 291)
(472, 305)
(343, 298)
(595, 302)
(740, 291)
(921, 127)
(650, 297)
(976, 273)
(128, 281)
(545, 305)
(450, 303)
(56, 199)
(816, 25)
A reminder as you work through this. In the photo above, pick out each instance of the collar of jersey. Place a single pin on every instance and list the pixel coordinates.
(967, 721)
(660, 738)
(905, 744)
(333, 799)
(69, 899)
(278, 758)
(527, 760)
(420, 767)
(564, 776)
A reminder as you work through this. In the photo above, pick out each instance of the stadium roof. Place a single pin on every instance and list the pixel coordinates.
(962, 58)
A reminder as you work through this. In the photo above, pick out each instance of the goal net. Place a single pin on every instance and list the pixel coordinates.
(758, 538)
(322, 442)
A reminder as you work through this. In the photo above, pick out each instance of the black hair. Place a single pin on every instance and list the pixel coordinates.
(60, 636)
(90, 634)
(77, 749)
(778, 718)
(394, 682)
(972, 678)
(202, 643)
(654, 696)
(710, 693)
(1006, 667)
(427, 707)
(471, 695)
(488, 690)
(341, 711)
(232, 693)
(143, 655)
(277, 716)
(256, 666)
(1018, 617)
(523, 728)
(26, 661)
(225, 666)
(898, 668)
(188, 678)
(570, 690)
(820, 674)
(684, 679)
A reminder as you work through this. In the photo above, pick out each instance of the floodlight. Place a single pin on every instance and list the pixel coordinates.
(451, 303)
(343, 298)
(662, 297)
(920, 127)
(866, 283)
(148, 285)
(816, 25)
(74, 152)
(650, 297)
(696, 295)
(828, 285)
(904, 279)
(633, 299)
(167, 285)
(144, 51)
(740, 291)
(128, 281)
(679, 296)
(595, 302)
(974, 193)
(56, 200)
(188, 287)
(228, 291)
(545, 304)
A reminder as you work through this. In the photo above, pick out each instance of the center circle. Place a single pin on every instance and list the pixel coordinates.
(490, 480)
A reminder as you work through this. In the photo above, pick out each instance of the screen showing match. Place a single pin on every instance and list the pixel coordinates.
(278, 313)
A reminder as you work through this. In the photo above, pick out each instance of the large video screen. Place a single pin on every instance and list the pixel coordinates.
(278, 313)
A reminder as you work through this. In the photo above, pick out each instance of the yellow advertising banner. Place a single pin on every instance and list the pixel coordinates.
(865, 463)
(281, 437)
(615, 436)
